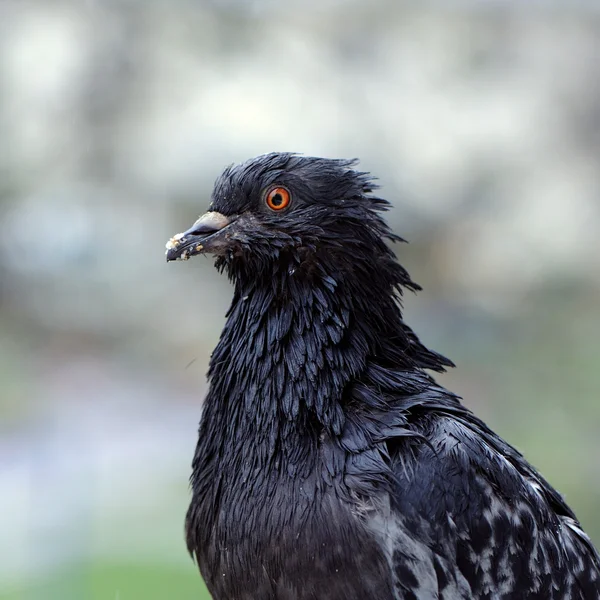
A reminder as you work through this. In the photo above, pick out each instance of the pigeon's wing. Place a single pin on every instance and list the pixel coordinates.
(474, 520)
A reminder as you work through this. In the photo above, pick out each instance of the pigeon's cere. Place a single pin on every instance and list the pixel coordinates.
(330, 465)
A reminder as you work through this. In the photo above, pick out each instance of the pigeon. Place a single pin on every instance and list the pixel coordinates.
(330, 464)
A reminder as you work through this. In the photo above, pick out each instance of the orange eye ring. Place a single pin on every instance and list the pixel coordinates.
(278, 198)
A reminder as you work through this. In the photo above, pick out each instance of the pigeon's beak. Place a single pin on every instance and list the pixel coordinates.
(199, 238)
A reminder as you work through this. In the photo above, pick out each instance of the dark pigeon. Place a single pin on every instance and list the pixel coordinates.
(330, 465)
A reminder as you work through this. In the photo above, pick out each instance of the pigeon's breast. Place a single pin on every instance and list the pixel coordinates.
(288, 538)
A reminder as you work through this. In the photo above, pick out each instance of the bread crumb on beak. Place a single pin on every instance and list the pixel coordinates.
(174, 241)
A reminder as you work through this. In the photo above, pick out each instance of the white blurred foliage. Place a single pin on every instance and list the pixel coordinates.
(156, 101)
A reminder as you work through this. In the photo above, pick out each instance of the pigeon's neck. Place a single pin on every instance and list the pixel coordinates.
(284, 373)
(287, 352)
(293, 343)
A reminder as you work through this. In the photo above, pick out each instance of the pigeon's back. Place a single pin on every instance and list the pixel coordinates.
(463, 514)
(474, 520)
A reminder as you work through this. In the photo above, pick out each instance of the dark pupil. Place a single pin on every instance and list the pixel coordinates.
(276, 200)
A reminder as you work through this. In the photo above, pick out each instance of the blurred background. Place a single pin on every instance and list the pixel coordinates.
(482, 121)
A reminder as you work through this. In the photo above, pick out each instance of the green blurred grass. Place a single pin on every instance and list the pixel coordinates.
(116, 581)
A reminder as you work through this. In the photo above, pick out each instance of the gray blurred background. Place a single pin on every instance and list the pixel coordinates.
(482, 121)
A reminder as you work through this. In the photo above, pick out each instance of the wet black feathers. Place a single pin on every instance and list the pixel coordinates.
(330, 465)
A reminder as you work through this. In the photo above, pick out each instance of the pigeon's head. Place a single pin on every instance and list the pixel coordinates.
(283, 209)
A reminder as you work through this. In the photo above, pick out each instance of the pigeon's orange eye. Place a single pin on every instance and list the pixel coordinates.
(278, 198)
